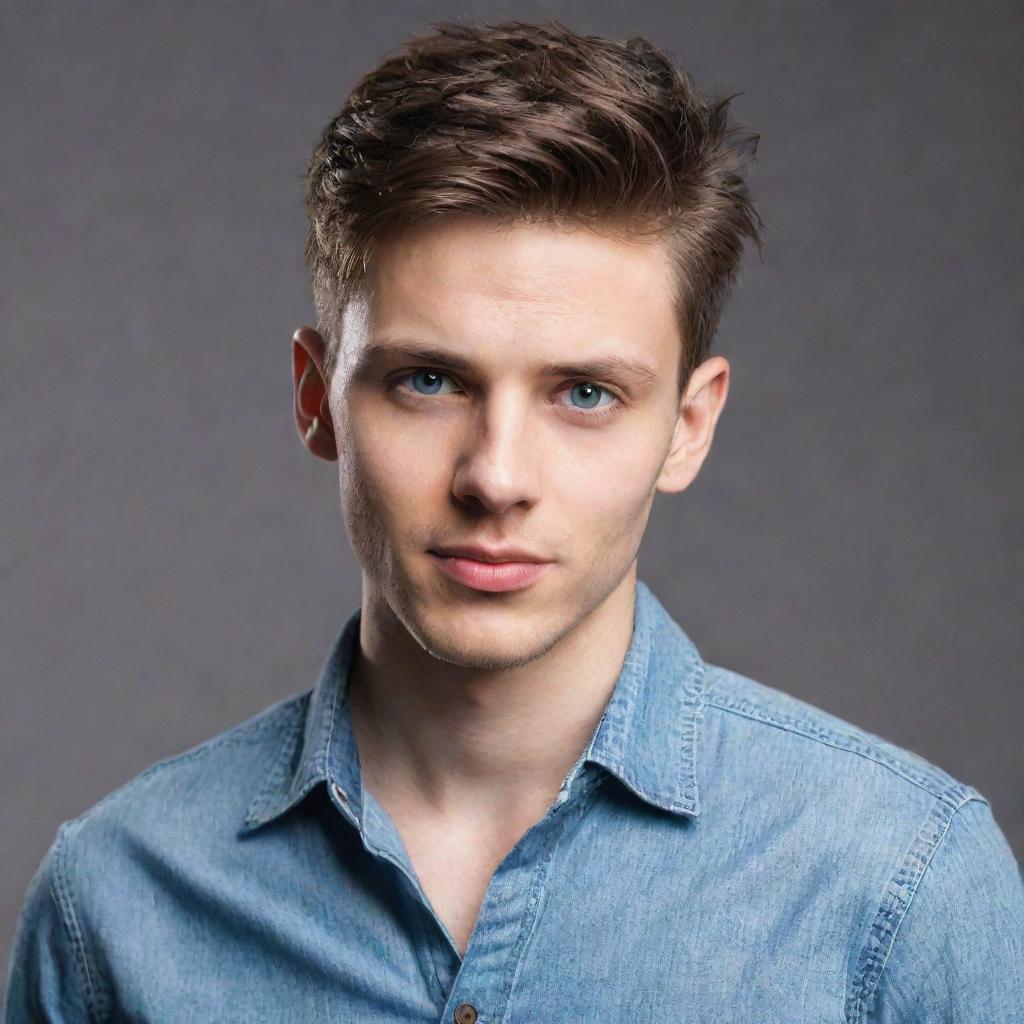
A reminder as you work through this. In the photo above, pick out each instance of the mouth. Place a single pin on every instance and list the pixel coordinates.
(494, 577)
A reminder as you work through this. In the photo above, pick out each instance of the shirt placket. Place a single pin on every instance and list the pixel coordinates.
(475, 989)
(483, 980)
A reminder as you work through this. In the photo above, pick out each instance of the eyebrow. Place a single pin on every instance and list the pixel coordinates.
(598, 366)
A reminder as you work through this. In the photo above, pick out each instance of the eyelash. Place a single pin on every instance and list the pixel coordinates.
(599, 414)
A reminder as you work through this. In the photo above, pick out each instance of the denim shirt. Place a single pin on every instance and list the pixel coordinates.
(720, 852)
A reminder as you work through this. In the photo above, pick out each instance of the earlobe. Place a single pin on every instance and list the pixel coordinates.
(679, 467)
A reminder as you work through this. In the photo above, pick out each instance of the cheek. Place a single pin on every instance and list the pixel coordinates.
(393, 477)
(607, 488)
(403, 465)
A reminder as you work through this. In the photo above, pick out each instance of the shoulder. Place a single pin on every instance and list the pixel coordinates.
(958, 952)
(203, 773)
(113, 862)
(937, 893)
(189, 805)
(790, 730)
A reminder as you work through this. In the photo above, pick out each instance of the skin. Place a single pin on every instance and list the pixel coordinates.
(469, 708)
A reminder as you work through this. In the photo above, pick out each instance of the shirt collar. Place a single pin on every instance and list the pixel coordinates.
(647, 737)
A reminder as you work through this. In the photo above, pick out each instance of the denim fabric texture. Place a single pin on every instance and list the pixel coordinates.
(720, 852)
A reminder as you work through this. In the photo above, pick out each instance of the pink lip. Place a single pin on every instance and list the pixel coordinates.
(490, 576)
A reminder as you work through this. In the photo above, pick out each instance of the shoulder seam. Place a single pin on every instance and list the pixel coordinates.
(851, 743)
(60, 891)
(900, 892)
(246, 732)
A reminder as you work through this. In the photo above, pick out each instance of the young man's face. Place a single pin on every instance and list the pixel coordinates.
(507, 451)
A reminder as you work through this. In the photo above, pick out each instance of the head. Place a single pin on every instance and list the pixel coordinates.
(520, 243)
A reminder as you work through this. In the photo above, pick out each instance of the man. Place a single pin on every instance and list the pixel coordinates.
(517, 791)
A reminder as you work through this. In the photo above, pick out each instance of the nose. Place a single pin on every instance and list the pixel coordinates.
(498, 468)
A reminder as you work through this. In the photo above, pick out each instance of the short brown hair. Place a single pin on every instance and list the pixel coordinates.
(529, 122)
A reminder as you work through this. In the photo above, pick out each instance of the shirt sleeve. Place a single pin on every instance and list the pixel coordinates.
(958, 955)
(47, 976)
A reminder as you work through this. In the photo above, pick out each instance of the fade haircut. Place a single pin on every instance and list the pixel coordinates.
(532, 123)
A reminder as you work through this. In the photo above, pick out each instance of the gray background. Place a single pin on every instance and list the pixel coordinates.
(172, 559)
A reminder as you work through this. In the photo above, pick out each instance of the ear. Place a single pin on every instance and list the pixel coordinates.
(699, 409)
(312, 407)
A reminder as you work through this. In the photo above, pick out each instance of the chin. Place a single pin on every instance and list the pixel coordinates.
(486, 656)
(493, 637)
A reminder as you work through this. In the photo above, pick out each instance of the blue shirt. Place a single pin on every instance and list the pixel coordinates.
(720, 852)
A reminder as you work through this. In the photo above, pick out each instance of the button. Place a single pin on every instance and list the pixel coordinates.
(339, 793)
(465, 1013)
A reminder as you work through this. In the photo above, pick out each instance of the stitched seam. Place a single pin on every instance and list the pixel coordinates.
(656, 799)
(893, 910)
(853, 745)
(538, 889)
(61, 893)
(325, 756)
(692, 732)
(424, 950)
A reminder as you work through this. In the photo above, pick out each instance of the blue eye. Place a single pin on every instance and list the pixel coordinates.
(427, 383)
(590, 394)
(432, 379)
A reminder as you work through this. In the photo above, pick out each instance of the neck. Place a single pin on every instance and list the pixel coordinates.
(481, 743)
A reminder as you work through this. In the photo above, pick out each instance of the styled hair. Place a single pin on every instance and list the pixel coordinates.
(532, 123)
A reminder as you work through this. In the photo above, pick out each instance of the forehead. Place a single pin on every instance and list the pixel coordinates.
(528, 288)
